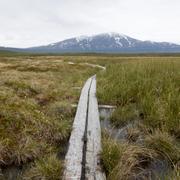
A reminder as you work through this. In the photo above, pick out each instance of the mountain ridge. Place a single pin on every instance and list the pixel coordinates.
(104, 43)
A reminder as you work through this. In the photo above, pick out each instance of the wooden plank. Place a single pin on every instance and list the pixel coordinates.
(93, 148)
(107, 107)
(94, 65)
(74, 156)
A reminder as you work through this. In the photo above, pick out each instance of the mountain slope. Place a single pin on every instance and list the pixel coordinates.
(108, 43)
(103, 43)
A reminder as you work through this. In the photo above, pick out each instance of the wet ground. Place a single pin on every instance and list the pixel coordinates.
(159, 167)
(116, 133)
(14, 172)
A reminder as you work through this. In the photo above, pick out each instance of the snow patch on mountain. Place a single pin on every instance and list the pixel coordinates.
(52, 44)
(107, 42)
(83, 38)
(117, 40)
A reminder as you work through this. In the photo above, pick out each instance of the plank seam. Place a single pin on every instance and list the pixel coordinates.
(85, 137)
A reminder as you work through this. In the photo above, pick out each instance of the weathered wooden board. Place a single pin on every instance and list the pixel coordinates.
(74, 156)
(94, 65)
(82, 160)
(93, 148)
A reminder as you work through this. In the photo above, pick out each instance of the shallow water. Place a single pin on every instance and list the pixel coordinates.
(158, 167)
(115, 133)
(14, 172)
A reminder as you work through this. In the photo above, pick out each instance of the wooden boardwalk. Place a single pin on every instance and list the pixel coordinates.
(82, 160)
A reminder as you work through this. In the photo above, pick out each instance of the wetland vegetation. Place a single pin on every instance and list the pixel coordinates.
(36, 113)
(147, 96)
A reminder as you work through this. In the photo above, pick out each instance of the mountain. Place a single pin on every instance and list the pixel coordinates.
(107, 43)
(104, 43)
(9, 49)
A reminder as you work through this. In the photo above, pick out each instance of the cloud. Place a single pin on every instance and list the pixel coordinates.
(27, 23)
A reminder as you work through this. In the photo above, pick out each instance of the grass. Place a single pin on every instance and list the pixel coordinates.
(36, 93)
(164, 144)
(49, 168)
(149, 88)
(132, 163)
(124, 115)
(36, 115)
(146, 93)
(112, 151)
(175, 174)
(125, 161)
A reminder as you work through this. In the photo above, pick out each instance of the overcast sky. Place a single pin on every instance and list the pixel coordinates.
(25, 23)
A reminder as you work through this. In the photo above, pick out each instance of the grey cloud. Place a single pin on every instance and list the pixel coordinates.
(36, 22)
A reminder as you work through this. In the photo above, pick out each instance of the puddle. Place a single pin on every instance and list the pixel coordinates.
(63, 150)
(158, 167)
(116, 133)
(14, 172)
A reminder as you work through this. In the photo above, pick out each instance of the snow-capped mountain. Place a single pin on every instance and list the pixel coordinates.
(106, 43)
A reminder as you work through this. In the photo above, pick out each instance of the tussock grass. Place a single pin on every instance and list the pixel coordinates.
(146, 93)
(124, 115)
(164, 144)
(125, 161)
(175, 174)
(36, 116)
(36, 93)
(49, 168)
(112, 151)
(151, 87)
(133, 134)
(133, 163)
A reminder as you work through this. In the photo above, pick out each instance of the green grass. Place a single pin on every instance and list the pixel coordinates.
(149, 88)
(36, 93)
(112, 151)
(147, 94)
(165, 145)
(125, 161)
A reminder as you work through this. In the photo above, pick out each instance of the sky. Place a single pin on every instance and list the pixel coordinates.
(27, 23)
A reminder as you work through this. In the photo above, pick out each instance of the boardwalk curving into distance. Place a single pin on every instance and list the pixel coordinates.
(82, 160)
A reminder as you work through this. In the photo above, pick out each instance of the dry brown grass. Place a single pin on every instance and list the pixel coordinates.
(36, 115)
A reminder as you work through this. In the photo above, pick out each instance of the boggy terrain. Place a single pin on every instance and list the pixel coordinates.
(146, 93)
(36, 113)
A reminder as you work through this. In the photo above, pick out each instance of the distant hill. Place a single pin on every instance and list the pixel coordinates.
(105, 43)
(10, 50)
(6, 52)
